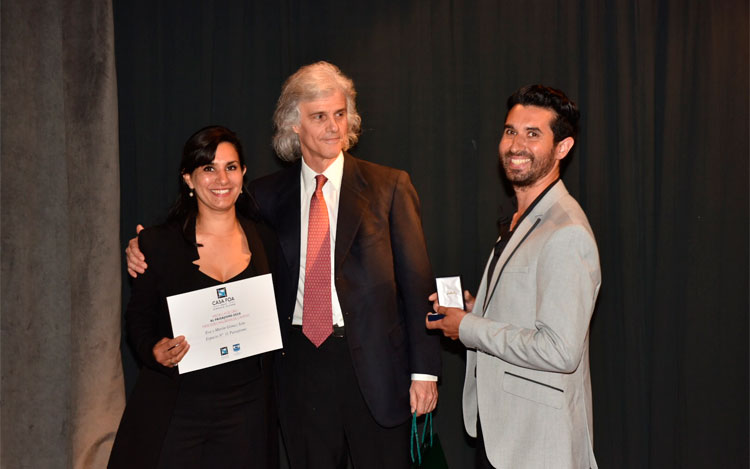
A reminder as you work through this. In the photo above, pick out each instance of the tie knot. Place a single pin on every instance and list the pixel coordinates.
(320, 179)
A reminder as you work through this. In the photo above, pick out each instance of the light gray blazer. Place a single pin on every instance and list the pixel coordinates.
(528, 341)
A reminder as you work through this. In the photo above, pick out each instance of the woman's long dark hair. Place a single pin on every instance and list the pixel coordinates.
(199, 150)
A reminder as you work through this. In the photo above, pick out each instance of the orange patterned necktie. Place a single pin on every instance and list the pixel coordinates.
(317, 312)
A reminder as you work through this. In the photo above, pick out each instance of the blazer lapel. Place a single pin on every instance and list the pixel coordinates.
(520, 234)
(352, 204)
(522, 231)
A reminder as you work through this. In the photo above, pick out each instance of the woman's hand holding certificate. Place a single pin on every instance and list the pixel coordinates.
(168, 352)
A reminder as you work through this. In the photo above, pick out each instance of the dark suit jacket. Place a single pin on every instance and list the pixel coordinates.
(382, 274)
(171, 271)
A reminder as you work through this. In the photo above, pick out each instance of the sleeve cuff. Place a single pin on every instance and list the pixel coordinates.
(422, 377)
(467, 330)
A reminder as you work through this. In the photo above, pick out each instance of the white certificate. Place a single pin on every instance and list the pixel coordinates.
(226, 322)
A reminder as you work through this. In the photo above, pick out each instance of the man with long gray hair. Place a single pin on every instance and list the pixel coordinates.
(353, 278)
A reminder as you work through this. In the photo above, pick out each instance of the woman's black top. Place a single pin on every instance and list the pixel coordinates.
(170, 251)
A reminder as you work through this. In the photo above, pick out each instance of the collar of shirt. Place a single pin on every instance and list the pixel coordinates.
(334, 173)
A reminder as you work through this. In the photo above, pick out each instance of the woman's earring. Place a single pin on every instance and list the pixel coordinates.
(191, 192)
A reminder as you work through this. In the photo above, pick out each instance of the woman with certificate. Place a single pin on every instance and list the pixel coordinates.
(222, 416)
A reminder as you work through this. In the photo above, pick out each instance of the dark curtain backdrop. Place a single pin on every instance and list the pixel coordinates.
(660, 167)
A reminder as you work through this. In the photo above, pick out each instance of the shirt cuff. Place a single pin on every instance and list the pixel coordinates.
(421, 377)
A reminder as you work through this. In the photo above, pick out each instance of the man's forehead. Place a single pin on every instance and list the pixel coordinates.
(328, 98)
(529, 116)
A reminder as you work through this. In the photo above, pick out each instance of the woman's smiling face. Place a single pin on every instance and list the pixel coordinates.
(217, 184)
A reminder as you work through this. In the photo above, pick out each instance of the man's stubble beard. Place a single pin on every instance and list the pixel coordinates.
(539, 168)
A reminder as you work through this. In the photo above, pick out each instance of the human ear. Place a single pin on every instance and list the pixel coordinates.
(563, 148)
(188, 180)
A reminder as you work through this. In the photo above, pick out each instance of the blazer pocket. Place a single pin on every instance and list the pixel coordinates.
(533, 390)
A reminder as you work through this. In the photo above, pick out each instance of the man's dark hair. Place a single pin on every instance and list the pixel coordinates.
(565, 123)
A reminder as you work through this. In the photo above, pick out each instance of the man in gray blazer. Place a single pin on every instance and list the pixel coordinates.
(527, 391)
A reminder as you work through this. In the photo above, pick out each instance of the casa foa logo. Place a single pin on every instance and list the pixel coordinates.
(222, 298)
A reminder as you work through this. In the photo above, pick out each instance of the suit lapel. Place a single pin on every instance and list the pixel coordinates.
(522, 231)
(352, 204)
(482, 289)
(519, 236)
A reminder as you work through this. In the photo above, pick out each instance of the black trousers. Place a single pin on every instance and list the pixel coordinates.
(324, 418)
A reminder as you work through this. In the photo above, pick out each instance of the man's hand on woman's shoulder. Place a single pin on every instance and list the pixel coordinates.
(135, 258)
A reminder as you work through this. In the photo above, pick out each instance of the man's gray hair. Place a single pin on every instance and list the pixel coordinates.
(309, 83)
